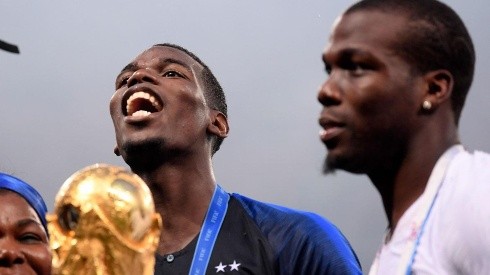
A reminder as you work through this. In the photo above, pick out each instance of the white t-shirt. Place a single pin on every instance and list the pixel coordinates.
(456, 237)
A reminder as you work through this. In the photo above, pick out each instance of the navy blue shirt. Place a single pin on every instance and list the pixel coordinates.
(261, 238)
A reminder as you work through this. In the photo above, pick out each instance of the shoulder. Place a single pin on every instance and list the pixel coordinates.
(466, 188)
(464, 213)
(267, 215)
(468, 164)
(468, 180)
(303, 242)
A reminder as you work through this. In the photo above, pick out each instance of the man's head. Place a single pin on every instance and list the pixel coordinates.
(435, 38)
(167, 100)
(393, 65)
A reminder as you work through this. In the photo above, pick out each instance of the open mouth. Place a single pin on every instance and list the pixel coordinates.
(142, 104)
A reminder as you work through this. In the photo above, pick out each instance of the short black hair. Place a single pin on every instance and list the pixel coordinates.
(436, 38)
(213, 93)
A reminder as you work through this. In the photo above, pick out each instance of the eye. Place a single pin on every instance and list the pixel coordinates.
(30, 237)
(328, 68)
(355, 68)
(171, 74)
(122, 81)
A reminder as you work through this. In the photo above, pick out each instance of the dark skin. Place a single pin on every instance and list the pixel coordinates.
(24, 246)
(169, 147)
(373, 121)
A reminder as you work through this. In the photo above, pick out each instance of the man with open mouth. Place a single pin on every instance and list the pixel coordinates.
(170, 117)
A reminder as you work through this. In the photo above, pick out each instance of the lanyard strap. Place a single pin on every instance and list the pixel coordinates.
(427, 201)
(209, 231)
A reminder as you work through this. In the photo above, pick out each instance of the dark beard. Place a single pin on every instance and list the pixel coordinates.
(329, 166)
(143, 156)
(349, 163)
(378, 158)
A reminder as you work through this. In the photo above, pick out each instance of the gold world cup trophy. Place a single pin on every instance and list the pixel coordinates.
(104, 223)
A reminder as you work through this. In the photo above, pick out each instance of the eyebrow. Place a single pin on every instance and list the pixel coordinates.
(161, 61)
(352, 51)
(27, 222)
(347, 53)
(129, 67)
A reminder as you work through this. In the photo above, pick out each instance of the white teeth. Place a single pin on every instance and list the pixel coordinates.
(130, 107)
(141, 113)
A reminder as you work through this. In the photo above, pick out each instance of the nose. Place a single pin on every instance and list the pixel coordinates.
(329, 93)
(10, 256)
(141, 76)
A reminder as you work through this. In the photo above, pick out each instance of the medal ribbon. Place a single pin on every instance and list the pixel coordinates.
(209, 231)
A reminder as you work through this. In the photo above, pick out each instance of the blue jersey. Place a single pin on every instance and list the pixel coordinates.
(261, 238)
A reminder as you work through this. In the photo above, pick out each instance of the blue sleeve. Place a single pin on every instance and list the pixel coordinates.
(316, 246)
(302, 242)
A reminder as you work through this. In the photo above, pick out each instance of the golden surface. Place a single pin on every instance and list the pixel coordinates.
(104, 222)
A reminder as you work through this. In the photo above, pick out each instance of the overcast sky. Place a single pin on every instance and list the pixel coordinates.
(266, 54)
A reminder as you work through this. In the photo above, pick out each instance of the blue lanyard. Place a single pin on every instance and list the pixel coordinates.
(209, 231)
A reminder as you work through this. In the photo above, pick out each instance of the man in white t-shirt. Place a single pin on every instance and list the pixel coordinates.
(399, 73)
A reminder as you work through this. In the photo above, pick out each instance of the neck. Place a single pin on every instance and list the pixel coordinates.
(181, 191)
(401, 186)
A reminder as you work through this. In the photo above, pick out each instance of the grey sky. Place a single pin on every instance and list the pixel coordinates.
(266, 54)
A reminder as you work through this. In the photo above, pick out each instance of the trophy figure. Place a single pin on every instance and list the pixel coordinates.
(104, 223)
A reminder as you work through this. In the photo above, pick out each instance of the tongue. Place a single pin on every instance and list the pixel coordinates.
(141, 105)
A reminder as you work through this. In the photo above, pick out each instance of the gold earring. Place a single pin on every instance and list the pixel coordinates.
(426, 105)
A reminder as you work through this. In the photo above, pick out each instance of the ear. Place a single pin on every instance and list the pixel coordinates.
(218, 124)
(439, 87)
(116, 151)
